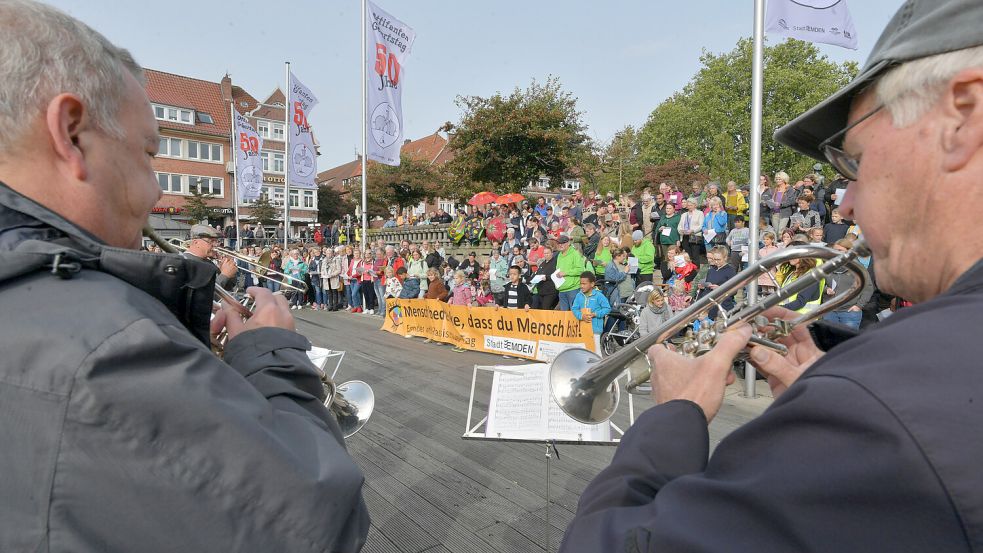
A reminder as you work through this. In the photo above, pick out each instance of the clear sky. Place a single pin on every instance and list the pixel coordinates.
(621, 58)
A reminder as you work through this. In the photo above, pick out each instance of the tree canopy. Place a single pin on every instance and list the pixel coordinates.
(405, 185)
(710, 119)
(618, 168)
(196, 204)
(504, 142)
(331, 205)
(264, 211)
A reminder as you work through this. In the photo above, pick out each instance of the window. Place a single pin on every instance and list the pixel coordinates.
(272, 162)
(169, 147)
(294, 198)
(263, 128)
(309, 196)
(278, 131)
(205, 118)
(177, 115)
(204, 151)
(277, 196)
(571, 184)
(208, 185)
(447, 206)
(170, 184)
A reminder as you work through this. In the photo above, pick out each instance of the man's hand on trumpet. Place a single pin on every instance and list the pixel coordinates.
(701, 380)
(228, 267)
(783, 371)
(269, 310)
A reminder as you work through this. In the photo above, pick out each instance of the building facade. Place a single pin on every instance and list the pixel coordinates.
(195, 154)
(267, 117)
(194, 150)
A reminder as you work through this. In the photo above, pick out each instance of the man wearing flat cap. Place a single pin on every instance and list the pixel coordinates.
(874, 444)
(203, 241)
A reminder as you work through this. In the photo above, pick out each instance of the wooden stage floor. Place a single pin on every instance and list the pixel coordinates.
(427, 489)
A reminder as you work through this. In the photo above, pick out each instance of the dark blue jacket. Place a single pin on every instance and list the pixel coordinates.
(877, 447)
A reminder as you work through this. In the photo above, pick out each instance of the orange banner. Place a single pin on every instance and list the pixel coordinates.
(535, 334)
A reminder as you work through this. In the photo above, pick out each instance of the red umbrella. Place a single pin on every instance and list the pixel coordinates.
(495, 229)
(483, 198)
(512, 198)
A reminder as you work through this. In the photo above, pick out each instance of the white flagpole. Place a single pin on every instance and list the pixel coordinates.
(286, 158)
(235, 173)
(365, 174)
(757, 71)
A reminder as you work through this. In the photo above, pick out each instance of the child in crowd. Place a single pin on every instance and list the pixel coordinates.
(685, 270)
(836, 229)
(410, 286)
(591, 305)
(447, 275)
(816, 236)
(461, 290)
(516, 294)
(679, 299)
(655, 314)
(461, 294)
(483, 294)
(393, 283)
(737, 240)
(766, 285)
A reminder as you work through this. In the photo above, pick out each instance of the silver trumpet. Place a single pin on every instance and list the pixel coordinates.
(585, 386)
(351, 403)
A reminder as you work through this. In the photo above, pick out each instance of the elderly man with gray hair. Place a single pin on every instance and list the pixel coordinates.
(872, 443)
(120, 430)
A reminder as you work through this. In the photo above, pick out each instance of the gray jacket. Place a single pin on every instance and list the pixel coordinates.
(121, 431)
(844, 279)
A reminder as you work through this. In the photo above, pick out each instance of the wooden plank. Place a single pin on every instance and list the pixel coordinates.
(430, 491)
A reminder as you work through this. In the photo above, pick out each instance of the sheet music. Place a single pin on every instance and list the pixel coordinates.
(515, 407)
(521, 407)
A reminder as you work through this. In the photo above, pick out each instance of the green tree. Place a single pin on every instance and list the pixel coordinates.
(264, 211)
(710, 119)
(504, 142)
(196, 204)
(403, 185)
(620, 168)
(681, 172)
(331, 205)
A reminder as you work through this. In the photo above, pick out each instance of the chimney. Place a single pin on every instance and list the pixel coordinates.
(226, 86)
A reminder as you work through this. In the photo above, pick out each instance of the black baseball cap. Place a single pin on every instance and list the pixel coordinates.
(919, 29)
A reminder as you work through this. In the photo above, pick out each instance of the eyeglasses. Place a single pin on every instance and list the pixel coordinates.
(845, 164)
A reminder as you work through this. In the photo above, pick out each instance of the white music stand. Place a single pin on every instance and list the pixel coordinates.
(323, 357)
(479, 430)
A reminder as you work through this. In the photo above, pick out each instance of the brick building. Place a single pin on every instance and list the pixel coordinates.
(267, 117)
(194, 149)
(347, 178)
(195, 152)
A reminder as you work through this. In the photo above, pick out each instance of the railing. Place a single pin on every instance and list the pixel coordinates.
(430, 233)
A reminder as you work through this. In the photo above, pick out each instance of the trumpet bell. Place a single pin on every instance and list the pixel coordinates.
(575, 392)
(352, 405)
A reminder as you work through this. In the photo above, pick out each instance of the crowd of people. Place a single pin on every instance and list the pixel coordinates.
(552, 253)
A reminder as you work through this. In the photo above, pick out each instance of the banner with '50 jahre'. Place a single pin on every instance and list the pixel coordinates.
(534, 334)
